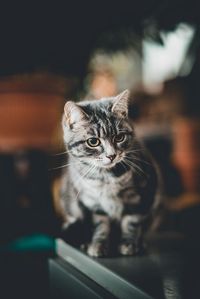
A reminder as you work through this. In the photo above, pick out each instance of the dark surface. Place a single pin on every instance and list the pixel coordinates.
(68, 282)
(142, 272)
(170, 268)
(155, 273)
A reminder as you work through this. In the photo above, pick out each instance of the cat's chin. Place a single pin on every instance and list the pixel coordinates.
(109, 166)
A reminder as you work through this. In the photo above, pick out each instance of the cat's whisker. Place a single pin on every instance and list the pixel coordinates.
(77, 195)
(134, 164)
(87, 171)
(58, 167)
(140, 160)
(133, 151)
(123, 165)
(82, 177)
(61, 153)
(131, 163)
(132, 167)
(93, 170)
(139, 169)
(63, 166)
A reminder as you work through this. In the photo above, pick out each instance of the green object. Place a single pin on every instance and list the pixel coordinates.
(33, 243)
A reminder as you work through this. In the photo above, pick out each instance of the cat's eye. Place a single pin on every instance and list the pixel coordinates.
(119, 138)
(93, 142)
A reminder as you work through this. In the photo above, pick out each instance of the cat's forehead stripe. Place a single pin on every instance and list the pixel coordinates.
(103, 124)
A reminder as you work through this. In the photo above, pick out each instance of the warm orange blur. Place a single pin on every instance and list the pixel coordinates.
(30, 111)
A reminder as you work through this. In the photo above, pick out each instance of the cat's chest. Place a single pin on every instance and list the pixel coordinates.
(108, 186)
(104, 194)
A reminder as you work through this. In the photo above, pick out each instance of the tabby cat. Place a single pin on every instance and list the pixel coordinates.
(109, 173)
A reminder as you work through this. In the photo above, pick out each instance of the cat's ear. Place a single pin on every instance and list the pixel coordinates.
(74, 113)
(120, 105)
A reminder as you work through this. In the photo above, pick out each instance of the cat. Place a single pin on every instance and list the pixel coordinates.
(109, 173)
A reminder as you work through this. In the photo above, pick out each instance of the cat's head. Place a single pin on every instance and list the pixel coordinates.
(98, 132)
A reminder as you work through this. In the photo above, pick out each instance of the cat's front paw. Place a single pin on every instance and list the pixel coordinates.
(98, 249)
(128, 249)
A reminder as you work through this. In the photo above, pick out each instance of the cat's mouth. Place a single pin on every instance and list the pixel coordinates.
(107, 163)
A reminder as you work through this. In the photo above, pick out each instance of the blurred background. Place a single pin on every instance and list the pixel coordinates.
(50, 54)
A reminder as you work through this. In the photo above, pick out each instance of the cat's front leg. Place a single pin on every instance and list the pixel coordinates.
(68, 221)
(99, 245)
(131, 234)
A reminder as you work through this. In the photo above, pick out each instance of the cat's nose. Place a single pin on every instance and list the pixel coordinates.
(111, 157)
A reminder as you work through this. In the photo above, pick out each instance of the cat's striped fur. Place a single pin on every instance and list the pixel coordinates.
(115, 180)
